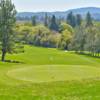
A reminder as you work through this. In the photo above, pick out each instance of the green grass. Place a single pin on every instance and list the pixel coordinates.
(50, 74)
(37, 74)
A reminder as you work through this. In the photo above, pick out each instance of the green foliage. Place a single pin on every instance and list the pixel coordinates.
(41, 35)
(63, 26)
(46, 20)
(86, 39)
(65, 40)
(74, 20)
(78, 20)
(24, 33)
(53, 24)
(7, 21)
(89, 20)
(92, 40)
(34, 21)
(44, 37)
(71, 19)
(66, 36)
(78, 40)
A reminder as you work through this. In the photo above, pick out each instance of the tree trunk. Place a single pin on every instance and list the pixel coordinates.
(3, 56)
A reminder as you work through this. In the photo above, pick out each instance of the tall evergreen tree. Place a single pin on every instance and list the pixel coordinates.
(46, 20)
(89, 20)
(78, 20)
(7, 20)
(34, 20)
(53, 25)
(71, 20)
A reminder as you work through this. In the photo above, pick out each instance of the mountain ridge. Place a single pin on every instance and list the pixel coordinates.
(95, 12)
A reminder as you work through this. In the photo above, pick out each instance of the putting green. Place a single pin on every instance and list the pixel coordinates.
(50, 73)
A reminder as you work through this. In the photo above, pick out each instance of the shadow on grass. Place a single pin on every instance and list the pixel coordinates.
(13, 61)
(88, 55)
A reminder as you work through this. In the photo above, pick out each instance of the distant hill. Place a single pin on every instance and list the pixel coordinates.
(95, 12)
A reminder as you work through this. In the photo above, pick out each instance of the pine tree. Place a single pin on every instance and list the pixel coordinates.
(34, 20)
(46, 20)
(89, 20)
(78, 20)
(7, 20)
(71, 20)
(54, 26)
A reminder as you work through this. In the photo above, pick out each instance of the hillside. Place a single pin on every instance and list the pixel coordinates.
(95, 12)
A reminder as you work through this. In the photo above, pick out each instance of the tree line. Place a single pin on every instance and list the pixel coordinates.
(86, 38)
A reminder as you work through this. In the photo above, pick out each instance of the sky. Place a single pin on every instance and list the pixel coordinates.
(53, 5)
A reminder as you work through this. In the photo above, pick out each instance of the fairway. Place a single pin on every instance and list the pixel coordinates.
(46, 73)
(53, 73)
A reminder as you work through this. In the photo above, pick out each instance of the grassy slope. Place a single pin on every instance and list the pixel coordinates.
(44, 56)
(12, 89)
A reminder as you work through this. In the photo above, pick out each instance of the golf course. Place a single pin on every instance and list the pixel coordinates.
(49, 50)
(49, 74)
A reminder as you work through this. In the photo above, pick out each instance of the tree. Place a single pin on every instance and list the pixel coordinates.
(34, 20)
(66, 32)
(65, 40)
(89, 20)
(97, 43)
(78, 20)
(41, 35)
(78, 40)
(54, 26)
(91, 40)
(71, 20)
(46, 20)
(7, 20)
(63, 26)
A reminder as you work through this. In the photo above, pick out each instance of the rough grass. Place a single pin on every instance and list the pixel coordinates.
(71, 76)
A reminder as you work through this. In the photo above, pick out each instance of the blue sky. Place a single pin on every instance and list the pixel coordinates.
(53, 5)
